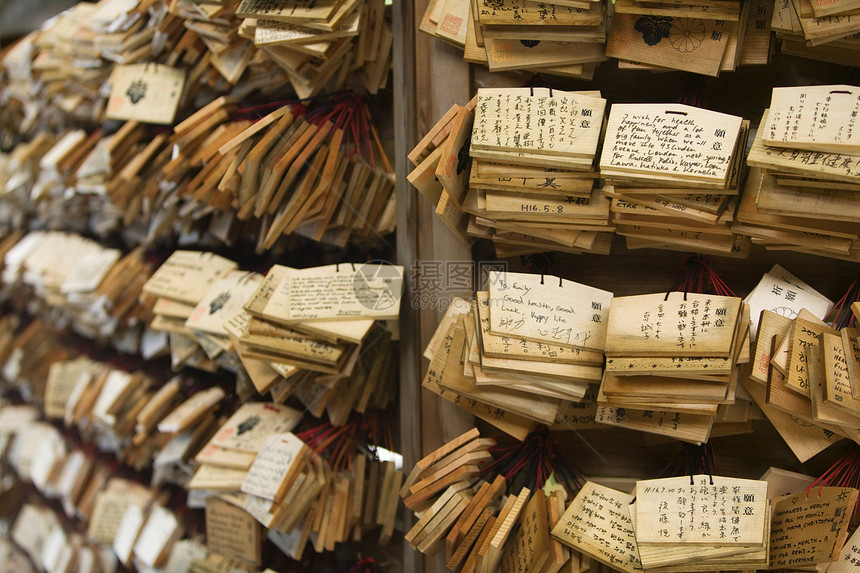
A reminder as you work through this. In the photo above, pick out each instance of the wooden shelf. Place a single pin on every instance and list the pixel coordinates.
(432, 76)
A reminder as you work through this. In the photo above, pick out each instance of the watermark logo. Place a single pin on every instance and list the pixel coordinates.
(435, 283)
(377, 285)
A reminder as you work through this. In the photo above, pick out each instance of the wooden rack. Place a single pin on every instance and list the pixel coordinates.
(430, 76)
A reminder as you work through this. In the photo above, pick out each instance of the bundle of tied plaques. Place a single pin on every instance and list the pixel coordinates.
(481, 528)
(571, 37)
(801, 193)
(119, 410)
(516, 165)
(97, 297)
(158, 56)
(320, 173)
(805, 373)
(38, 177)
(693, 36)
(706, 522)
(27, 354)
(123, 521)
(292, 490)
(323, 42)
(521, 351)
(128, 414)
(824, 30)
(564, 37)
(284, 332)
(672, 172)
(223, 173)
(143, 426)
(678, 524)
(672, 361)
(177, 430)
(119, 520)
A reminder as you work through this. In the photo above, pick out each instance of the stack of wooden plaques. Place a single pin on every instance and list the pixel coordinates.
(315, 174)
(563, 38)
(64, 179)
(102, 402)
(528, 130)
(569, 37)
(699, 37)
(457, 462)
(530, 184)
(242, 437)
(180, 283)
(198, 48)
(269, 334)
(702, 522)
(194, 308)
(668, 525)
(804, 378)
(313, 49)
(673, 172)
(109, 502)
(97, 296)
(801, 193)
(222, 172)
(250, 461)
(124, 519)
(108, 520)
(298, 497)
(479, 528)
(310, 326)
(522, 351)
(27, 355)
(67, 52)
(818, 29)
(280, 332)
(672, 361)
(371, 384)
(122, 412)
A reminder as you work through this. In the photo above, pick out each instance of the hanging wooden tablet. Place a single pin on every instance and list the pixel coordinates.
(676, 142)
(541, 309)
(849, 557)
(145, 92)
(232, 532)
(709, 331)
(533, 122)
(684, 43)
(816, 118)
(596, 508)
(819, 517)
(700, 524)
(828, 166)
(186, 275)
(366, 291)
(528, 547)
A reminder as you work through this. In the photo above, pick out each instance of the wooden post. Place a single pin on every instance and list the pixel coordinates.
(429, 77)
(407, 248)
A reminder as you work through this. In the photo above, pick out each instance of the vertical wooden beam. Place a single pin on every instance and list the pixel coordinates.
(428, 78)
(403, 15)
(442, 79)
